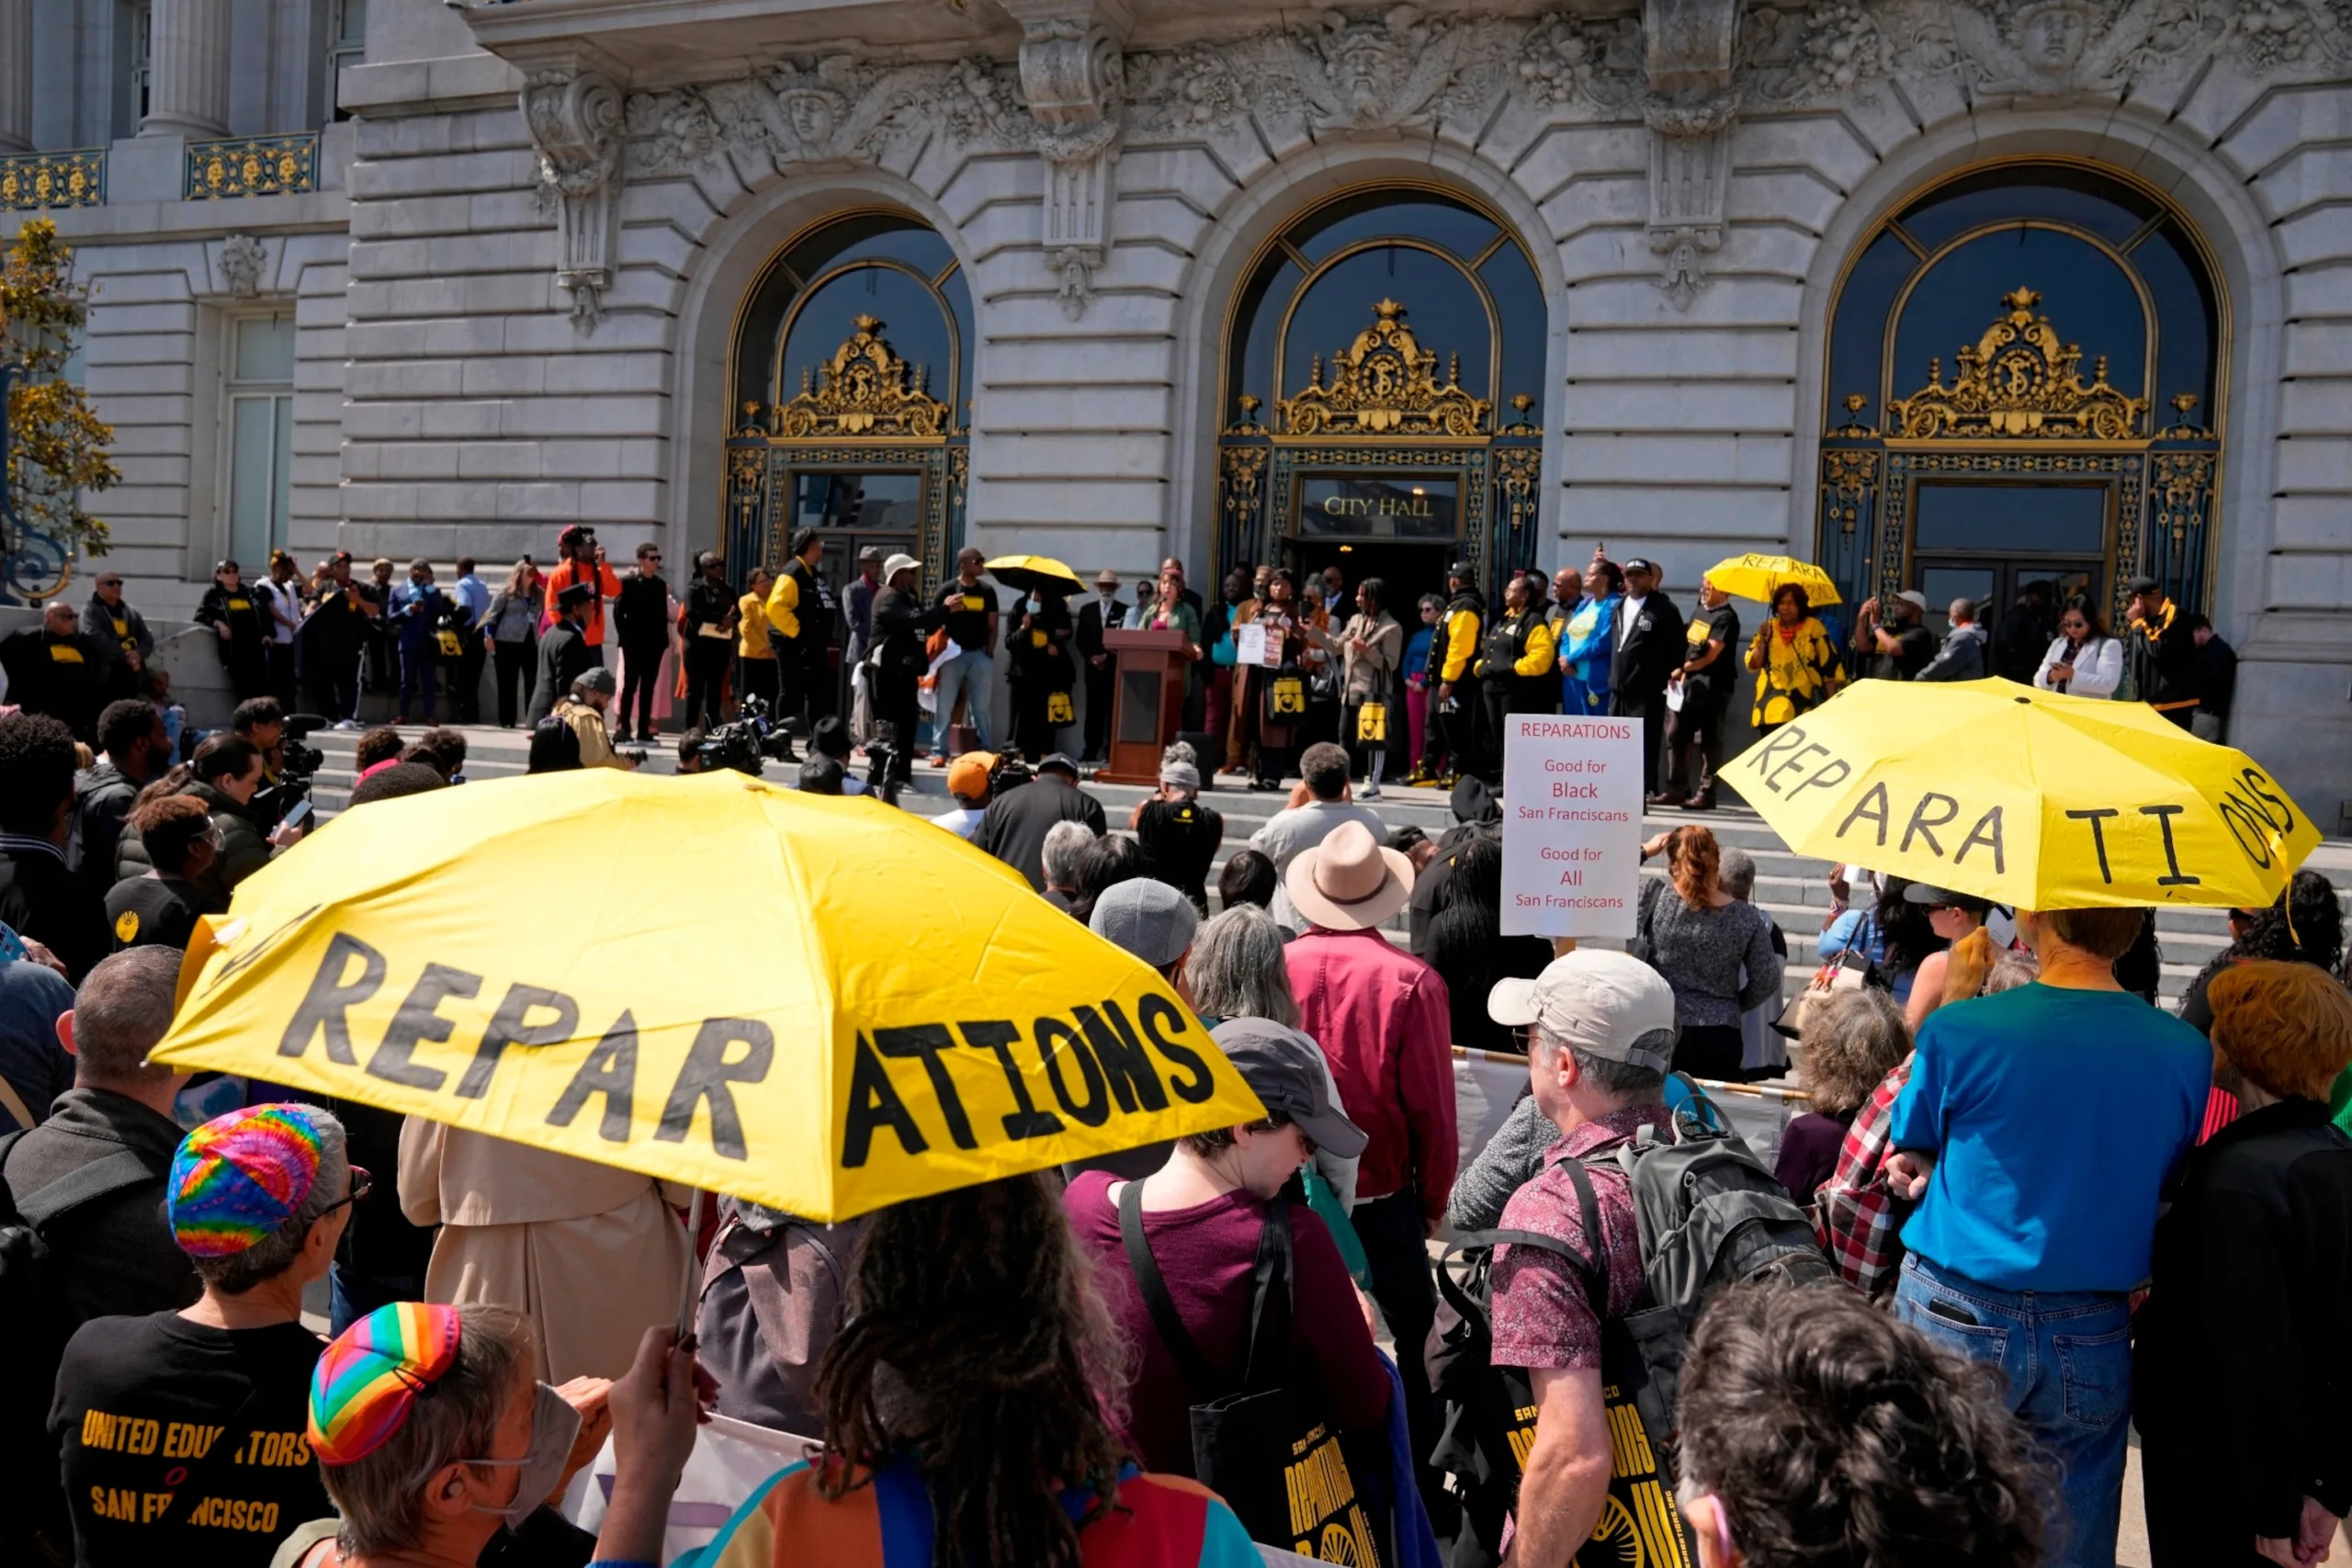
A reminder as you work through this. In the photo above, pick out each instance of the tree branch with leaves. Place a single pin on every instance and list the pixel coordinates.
(57, 444)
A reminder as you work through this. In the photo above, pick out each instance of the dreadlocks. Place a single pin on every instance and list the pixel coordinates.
(974, 1343)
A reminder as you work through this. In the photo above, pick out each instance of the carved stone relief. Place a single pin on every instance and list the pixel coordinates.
(1686, 69)
(574, 120)
(1073, 79)
(244, 259)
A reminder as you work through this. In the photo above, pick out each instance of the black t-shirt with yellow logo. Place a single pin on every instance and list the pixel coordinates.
(1720, 624)
(967, 614)
(186, 1444)
(153, 911)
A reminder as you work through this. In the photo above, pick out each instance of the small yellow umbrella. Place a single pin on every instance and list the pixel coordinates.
(1032, 574)
(821, 1004)
(2027, 798)
(1760, 577)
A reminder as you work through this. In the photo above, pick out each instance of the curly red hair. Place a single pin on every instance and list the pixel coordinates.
(1695, 864)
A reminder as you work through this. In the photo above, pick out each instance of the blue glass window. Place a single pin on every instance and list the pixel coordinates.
(885, 265)
(2089, 298)
(1467, 286)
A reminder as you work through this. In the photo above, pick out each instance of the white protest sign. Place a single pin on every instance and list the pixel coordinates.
(1572, 826)
(1248, 644)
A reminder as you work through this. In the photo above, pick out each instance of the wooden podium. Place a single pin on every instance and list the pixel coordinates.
(1149, 705)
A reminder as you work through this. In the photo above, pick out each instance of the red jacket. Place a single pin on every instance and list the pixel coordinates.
(1381, 1016)
(566, 573)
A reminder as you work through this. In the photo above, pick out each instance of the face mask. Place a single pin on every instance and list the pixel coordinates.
(555, 1425)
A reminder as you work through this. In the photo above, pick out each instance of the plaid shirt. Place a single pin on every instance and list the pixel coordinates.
(1856, 1218)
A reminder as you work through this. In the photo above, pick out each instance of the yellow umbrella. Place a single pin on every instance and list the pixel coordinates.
(2026, 798)
(821, 1004)
(1760, 577)
(1032, 574)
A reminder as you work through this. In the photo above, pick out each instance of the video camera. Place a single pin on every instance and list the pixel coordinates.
(747, 743)
(297, 766)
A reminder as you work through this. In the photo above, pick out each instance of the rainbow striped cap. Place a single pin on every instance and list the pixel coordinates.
(366, 1381)
(237, 1179)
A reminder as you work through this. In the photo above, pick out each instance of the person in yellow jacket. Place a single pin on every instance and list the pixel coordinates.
(1515, 671)
(756, 654)
(800, 622)
(1795, 661)
(1451, 650)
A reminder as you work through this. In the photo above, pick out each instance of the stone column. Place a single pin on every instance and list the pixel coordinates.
(187, 70)
(16, 75)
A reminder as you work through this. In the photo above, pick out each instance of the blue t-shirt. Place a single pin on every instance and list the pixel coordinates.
(1417, 653)
(2054, 1116)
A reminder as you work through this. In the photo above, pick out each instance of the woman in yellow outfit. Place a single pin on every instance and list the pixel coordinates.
(1515, 670)
(1796, 663)
(752, 644)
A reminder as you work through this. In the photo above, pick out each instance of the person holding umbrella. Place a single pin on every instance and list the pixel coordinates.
(1036, 646)
(1795, 661)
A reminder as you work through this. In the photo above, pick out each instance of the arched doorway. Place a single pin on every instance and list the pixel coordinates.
(850, 379)
(2030, 360)
(1382, 356)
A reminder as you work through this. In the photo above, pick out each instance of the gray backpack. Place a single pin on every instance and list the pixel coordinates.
(1711, 1214)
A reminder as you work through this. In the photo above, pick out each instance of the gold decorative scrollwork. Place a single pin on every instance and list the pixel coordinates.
(2178, 482)
(1248, 424)
(864, 390)
(1515, 472)
(253, 165)
(1385, 384)
(2019, 380)
(36, 180)
(1848, 474)
(1854, 429)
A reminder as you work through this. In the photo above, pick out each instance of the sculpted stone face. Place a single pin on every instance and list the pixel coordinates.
(2052, 39)
(813, 118)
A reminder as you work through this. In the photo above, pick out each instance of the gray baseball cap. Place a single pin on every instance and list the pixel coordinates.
(1286, 1070)
(1606, 1004)
(1146, 917)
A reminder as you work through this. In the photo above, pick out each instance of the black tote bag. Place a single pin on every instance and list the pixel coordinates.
(1280, 1466)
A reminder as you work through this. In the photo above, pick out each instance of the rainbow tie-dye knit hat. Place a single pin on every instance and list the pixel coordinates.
(239, 1177)
(365, 1383)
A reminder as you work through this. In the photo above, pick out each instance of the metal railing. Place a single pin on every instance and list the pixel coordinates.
(31, 182)
(253, 165)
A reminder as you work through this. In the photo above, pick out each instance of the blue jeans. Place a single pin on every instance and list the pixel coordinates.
(968, 672)
(2067, 1359)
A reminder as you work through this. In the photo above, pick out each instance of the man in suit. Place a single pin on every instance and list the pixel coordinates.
(1106, 613)
(1649, 650)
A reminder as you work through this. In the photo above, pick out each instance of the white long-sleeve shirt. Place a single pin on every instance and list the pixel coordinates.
(2098, 669)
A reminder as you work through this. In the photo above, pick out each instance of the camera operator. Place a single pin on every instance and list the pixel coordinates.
(583, 710)
(287, 765)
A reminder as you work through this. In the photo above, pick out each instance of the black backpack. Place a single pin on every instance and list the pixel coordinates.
(35, 1324)
(1709, 1214)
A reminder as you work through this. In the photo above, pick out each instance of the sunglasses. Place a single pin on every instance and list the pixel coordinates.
(109, 582)
(361, 1185)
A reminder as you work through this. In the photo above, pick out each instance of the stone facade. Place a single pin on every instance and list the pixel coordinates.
(515, 280)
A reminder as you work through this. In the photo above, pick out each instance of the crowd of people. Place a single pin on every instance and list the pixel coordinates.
(1992, 1182)
(2033, 1209)
(1422, 692)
